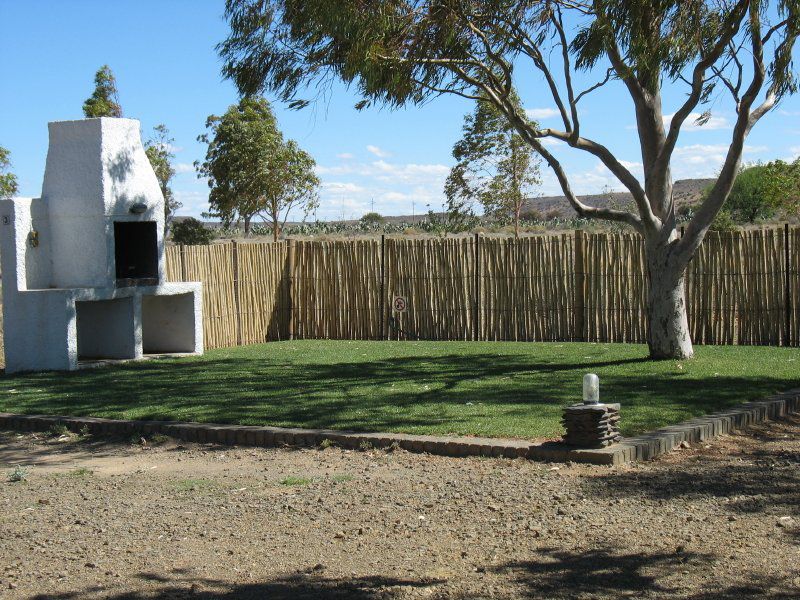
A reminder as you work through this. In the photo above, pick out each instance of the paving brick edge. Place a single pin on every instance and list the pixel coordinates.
(643, 447)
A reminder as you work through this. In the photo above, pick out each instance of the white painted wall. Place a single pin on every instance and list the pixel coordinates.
(105, 329)
(96, 170)
(168, 324)
(59, 298)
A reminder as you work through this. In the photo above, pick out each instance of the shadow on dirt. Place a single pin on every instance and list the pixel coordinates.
(764, 479)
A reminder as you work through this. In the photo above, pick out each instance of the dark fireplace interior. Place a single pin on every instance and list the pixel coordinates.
(136, 252)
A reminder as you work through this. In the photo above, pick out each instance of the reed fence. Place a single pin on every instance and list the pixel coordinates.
(742, 288)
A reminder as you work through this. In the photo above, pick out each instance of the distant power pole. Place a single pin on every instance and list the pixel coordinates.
(413, 211)
(372, 204)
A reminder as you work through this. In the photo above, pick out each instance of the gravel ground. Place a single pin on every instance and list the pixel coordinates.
(96, 519)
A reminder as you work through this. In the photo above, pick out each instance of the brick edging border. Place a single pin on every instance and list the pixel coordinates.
(643, 447)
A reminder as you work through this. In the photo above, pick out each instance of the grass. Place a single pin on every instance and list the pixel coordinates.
(193, 485)
(81, 472)
(475, 388)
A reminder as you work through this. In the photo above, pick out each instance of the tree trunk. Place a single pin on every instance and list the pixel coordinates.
(276, 230)
(247, 226)
(668, 328)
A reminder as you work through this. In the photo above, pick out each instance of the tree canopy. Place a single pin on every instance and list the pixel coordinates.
(159, 152)
(104, 101)
(8, 181)
(252, 170)
(494, 166)
(191, 232)
(760, 191)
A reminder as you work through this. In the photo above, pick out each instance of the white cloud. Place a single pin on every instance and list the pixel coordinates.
(342, 187)
(194, 202)
(389, 188)
(789, 113)
(541, 113)
(704, 160)
(690, 124)
(794, 151)
(345, 156)
(184, 168)
(551, 142)
(380, 153)
(631, 165)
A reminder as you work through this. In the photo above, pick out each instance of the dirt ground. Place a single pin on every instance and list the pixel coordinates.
(122, 520)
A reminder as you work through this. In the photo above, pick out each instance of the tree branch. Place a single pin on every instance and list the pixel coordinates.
(556, 20)
(612, 164)
(597, 85)
(730, 28)
(698, 226)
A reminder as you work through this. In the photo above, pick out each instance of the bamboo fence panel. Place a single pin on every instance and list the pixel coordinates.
(735, 288)
(794, 286)
(263, 292)
(172, 261)
(213, 266)
(336, 289)
(526, 288)
(616, 288)
(437, 277)
(537, 288)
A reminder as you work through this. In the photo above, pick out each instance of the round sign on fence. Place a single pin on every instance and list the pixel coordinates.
(400, 304)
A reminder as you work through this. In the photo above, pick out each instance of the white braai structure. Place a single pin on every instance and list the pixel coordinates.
(83, 266)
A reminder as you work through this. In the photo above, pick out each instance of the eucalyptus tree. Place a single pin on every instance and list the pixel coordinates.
(159, 151)
(494, 166)
(8, 181)
(397, 52)
(252, 170)
(104, 101)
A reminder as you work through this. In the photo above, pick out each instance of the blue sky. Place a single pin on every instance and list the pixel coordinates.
(162, 53)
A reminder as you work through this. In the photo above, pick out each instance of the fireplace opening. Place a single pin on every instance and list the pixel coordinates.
(136, 253)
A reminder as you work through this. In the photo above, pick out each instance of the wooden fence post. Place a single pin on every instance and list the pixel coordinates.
(290, 251)
(182, 254)
(477, 320)
(578, 303)
(236, 300)
(788, 284)
(383, 288)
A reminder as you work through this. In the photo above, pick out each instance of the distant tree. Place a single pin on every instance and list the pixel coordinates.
(761, 191)
(159, 151)
(191, 232)
(495, 166)
(104, 101)
(372, 218)
(8, 181)
(252, 170)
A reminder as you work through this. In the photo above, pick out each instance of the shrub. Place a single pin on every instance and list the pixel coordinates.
(372, 218)
(18, 474)
(191, 232)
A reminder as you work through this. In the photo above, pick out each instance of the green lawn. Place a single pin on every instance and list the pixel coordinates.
(481, 388)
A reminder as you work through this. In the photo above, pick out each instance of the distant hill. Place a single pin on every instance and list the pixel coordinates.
(685, 191)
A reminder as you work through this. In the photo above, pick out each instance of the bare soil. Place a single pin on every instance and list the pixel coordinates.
(123, 520)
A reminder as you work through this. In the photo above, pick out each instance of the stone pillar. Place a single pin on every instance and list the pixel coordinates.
(591, 425)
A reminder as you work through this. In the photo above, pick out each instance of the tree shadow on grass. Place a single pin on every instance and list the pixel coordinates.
(297, 586)
(459, 393)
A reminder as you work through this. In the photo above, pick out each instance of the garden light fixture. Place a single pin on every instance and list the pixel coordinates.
(591, 389)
